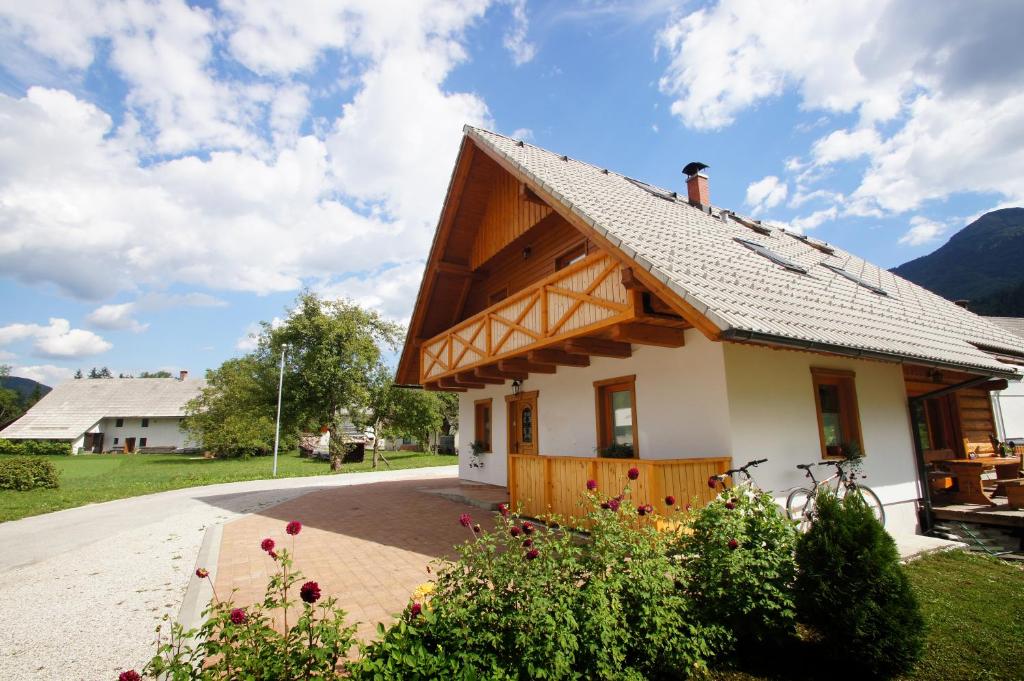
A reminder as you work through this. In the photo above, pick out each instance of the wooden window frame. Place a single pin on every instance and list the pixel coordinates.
(478, 425)
(571, 255)
(849, 413)
(603, 418)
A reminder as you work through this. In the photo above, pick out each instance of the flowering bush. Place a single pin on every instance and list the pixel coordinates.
(251, 643)
(530, 600)
(740, 559)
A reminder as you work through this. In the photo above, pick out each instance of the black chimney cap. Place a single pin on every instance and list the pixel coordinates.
(694, 167)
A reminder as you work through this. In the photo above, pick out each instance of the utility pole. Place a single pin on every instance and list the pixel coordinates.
(277, 426)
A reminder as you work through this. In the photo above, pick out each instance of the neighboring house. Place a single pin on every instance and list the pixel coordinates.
(318, 444)
(576, 310)
(1009, 404)
(111, 414)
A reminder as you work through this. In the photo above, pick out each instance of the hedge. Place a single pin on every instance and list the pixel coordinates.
(25, 473)
(36, 447)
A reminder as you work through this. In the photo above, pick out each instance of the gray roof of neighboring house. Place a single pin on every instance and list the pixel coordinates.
(73, 407)
(1014, 325)
(747, 295)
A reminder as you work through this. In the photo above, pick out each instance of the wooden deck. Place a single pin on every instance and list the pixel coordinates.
(1000, 515)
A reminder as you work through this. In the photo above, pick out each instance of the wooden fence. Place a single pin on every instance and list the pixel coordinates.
(539, 485)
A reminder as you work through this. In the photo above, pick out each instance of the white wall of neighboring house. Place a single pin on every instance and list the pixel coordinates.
(162, 431)
(773, 416)
(681, 406)
(1008, 407)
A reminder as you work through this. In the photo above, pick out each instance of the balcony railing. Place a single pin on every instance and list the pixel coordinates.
(541, 485)
(578, 300)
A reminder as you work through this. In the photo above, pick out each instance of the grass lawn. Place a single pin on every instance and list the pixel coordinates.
(91, 478)
(973, 607)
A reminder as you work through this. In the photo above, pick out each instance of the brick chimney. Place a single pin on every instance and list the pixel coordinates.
(183, 374)
(697, 191)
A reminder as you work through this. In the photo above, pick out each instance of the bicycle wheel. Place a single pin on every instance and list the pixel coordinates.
(870, 499)
(799, 505)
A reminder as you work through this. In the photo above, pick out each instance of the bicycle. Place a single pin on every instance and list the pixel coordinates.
(734, 475)
(800, 502)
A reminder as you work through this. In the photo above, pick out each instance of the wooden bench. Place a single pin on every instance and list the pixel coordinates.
(1014, 492)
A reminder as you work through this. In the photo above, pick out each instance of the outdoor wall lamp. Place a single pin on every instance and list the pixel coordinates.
(517, 385)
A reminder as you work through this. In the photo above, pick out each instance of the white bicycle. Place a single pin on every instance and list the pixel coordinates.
(800, 502)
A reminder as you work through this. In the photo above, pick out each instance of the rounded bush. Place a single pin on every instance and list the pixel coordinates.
(24, 473)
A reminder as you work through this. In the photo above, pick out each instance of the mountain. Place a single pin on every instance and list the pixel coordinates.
(982, 263)
(25, 387)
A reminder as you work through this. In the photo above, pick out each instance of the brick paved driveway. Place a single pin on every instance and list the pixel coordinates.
(369, 545)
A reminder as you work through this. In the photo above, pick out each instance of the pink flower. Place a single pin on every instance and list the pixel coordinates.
(310, 592)
(592, 485)
(729, 505)
(503, 509)
(527, 528)
(713, 481)
(613, 504)
(465, 520)
(641, 510)
(633, 473)
(515, 531)
(202, 573)
(267, 544)
(527, 543)
(733, 544)
(238, 616)
(670, 500)
(130, 675)
(415, 609)
(532, 553)
(293, 528)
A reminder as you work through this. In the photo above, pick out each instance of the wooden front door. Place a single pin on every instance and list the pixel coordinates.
(129, 444)
(522, 423)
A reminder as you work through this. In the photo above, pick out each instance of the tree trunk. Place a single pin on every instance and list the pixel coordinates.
(376, 430)
(336, 447)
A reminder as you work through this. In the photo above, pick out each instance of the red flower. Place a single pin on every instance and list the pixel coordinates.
(202, 573)
(515, 531)
(310, 592)
(532, 553)
(604, 505)
(729, 505)
(633, 473)
(527, 543)
(670, 500)
(733, 544)
(130, 675)
(503, 509)
(272, 554)
(293, 528)
(613, 504)
(641, 510)
(527, 528)
(267, 544)
(713, 481)
(415, 609)
(465, 520)
(238, 616)
(591, 485)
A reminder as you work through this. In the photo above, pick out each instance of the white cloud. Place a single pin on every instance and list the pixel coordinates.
(525, 134)
(922, 230)
(515, 41)
(812, 221)
(938, 95)
(117, 316)
(388, 290)
(123, 315)
(47, 374)
(249, 340)
(57, 339)
(767, 192)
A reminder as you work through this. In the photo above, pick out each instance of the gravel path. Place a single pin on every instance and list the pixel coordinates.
(82, 590)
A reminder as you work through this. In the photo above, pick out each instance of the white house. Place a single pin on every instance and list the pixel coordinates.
(111, 414)
(1009, 403)
(580, 312)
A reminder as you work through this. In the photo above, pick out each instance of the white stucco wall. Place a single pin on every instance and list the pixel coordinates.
(682, 409)
(1008, 406)
(161, 432)
(773, 416)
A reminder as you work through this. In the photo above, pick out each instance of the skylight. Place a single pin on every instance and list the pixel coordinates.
(660, 193)
(750, 224)
(854, 278)
(772, 255)
(814, 243)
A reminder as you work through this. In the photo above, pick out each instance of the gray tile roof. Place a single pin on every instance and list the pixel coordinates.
(743, 293)
(73, 407)
(1014, 325)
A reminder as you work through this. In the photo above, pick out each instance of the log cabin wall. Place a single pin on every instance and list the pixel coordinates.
(509, 271)
(509, 213)
(973, 419)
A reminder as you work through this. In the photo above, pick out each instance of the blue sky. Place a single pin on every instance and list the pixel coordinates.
(172, 173)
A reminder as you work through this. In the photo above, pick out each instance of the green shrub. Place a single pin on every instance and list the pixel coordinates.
(852, 590)
(609, 606)
(25, 473)
(741, 564)
(35, 447)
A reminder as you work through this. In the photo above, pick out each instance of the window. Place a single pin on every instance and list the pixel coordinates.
(142, 442)
(772, 255)
(835, 397)
(145, 423)
(574, 254)
(854, 278)
(115, 440)
(656, 191)
(482, 422)
(119, 423)
(616, 413)
(815, 244)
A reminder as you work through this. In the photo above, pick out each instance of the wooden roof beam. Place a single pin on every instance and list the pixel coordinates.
(522, 365)
(435, 386)
(649, 334)
(472, 376)
(600, 347)
(450, 383)
(630, 282)
(492, 371)
(555, 356)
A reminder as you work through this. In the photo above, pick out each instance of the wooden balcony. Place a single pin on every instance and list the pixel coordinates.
(540, 485)
(585, 308)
